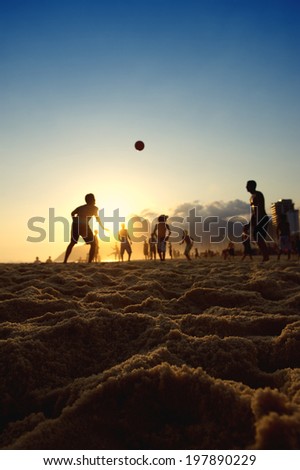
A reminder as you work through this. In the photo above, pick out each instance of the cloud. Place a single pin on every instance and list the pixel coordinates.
(221, 209)
(211, 223)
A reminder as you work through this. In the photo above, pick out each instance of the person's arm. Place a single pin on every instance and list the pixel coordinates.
(101, 224)
(74, 212)
(95, 213)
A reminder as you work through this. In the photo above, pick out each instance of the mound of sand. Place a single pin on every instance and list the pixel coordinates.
(150, 355)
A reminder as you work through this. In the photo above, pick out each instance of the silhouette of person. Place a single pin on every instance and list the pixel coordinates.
(246, 242)
(80, 226)
(125, 242)
(284, 236)
(170, 250)
(188, 240)
(162, 232)
(37, 260)
(96, 258)
(116, 252)
(152, 244)
(230, 250)
(259, 219)
(197, 255)
(49, 260)
(146, 249)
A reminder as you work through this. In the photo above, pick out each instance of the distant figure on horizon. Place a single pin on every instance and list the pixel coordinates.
(80, 226)
(188, 240)
(37, 260)
(227, 253)
(259, 219)
(152, 244)
(125, 242)
(116, 252)
(284, 236)
(96, 258)
(146, 249)
(49, 260)
(246, 242)
(231, 252)
(162, 232)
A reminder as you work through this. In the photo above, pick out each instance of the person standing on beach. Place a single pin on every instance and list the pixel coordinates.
(146, 249)
(152, 245)
(162, 232)
(125, 242)
(80, 226)
(259, 219)
(246, 242)
(188, 244)
(96, 258)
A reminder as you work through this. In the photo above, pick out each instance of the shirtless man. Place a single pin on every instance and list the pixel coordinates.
(189, 244)
(259, 219)
(162, 232)
(125, 240)
(80, 226)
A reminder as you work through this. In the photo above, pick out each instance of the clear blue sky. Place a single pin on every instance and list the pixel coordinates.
(211, 86)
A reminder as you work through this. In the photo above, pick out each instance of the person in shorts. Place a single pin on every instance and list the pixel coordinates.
(125, 242)
(152, 245)
(162, 232)
(80, 226)
(188, 244)
(259, 219)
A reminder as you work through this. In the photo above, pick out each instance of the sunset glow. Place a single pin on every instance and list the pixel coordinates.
(211, 88)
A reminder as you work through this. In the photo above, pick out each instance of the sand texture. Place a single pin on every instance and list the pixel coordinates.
(150, 355)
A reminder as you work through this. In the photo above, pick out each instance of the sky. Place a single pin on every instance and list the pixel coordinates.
(210, 86)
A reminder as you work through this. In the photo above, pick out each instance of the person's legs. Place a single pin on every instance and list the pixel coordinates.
(187, 252)
(92, 251)
(69, 249)
(260, 234)
(163, 250)
(74, 239)
(263, 248)
(160, 249)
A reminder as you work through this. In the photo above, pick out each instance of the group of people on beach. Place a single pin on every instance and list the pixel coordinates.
(157, 242)
(257, 227)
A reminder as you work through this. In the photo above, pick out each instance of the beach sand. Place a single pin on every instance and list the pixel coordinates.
(150, 355)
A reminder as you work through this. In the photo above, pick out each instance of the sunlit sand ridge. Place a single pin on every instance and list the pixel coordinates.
(147, 355)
